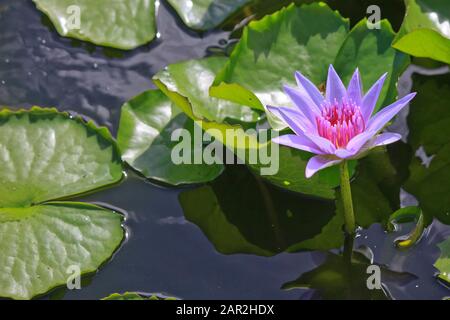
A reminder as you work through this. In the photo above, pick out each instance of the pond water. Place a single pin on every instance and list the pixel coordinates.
(163, 252)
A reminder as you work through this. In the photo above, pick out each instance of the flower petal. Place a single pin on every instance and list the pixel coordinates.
(384, 139)
(344, 153)
(298, 142)
(310, 88)
(354, 91)
(378, 121)
(355, 144)
(293, 118)
(303, 102)
(324, 144)
(335, 87)
(317, 163)
(370, 99)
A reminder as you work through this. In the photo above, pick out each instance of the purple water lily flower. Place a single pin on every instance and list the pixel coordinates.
(339, 125)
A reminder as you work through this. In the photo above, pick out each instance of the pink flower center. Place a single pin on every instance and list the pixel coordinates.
(340, 122)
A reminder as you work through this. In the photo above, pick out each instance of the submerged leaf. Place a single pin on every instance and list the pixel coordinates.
(42, 245)
(305, 38)
(443, 263)
(255, 217)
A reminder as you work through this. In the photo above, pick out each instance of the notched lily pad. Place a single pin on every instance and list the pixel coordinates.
(41, 246)
(124, 24)
(145, 138)
(47, 155)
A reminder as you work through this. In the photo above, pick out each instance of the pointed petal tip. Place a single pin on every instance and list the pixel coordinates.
(318, 163)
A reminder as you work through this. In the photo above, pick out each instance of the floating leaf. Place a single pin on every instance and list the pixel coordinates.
(291, 174)
(145, 138)
(124, 24)
(370, 51)
(425, 31)
(305, 38)
(39, 245)
(429, 124)
(47, 155)
(217, 130)
(205, 14)
(255, 217)
(192, 80)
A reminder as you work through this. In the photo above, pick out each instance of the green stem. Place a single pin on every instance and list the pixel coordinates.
(346, 195)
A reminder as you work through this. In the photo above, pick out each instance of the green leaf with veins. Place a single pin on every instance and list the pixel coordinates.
(205, 14)
(38, 244)
(192, 79)
(147, 123)
(307, 38)
(124, 24)
(48, 155)
(425, 31)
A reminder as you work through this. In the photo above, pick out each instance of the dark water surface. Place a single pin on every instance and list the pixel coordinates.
(163, 252)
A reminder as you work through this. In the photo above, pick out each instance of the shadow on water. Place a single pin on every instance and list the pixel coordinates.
(224, 240)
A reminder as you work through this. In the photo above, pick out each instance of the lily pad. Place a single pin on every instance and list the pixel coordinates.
(205, 14)
(429, 124)
(291, 174)
(39, 245)
(186, 84)
(425, 31)
(45, 156)
(145, 139)
(370, 51)
(257, 218)
(307, 38)
(192, 79)
(124, 24)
